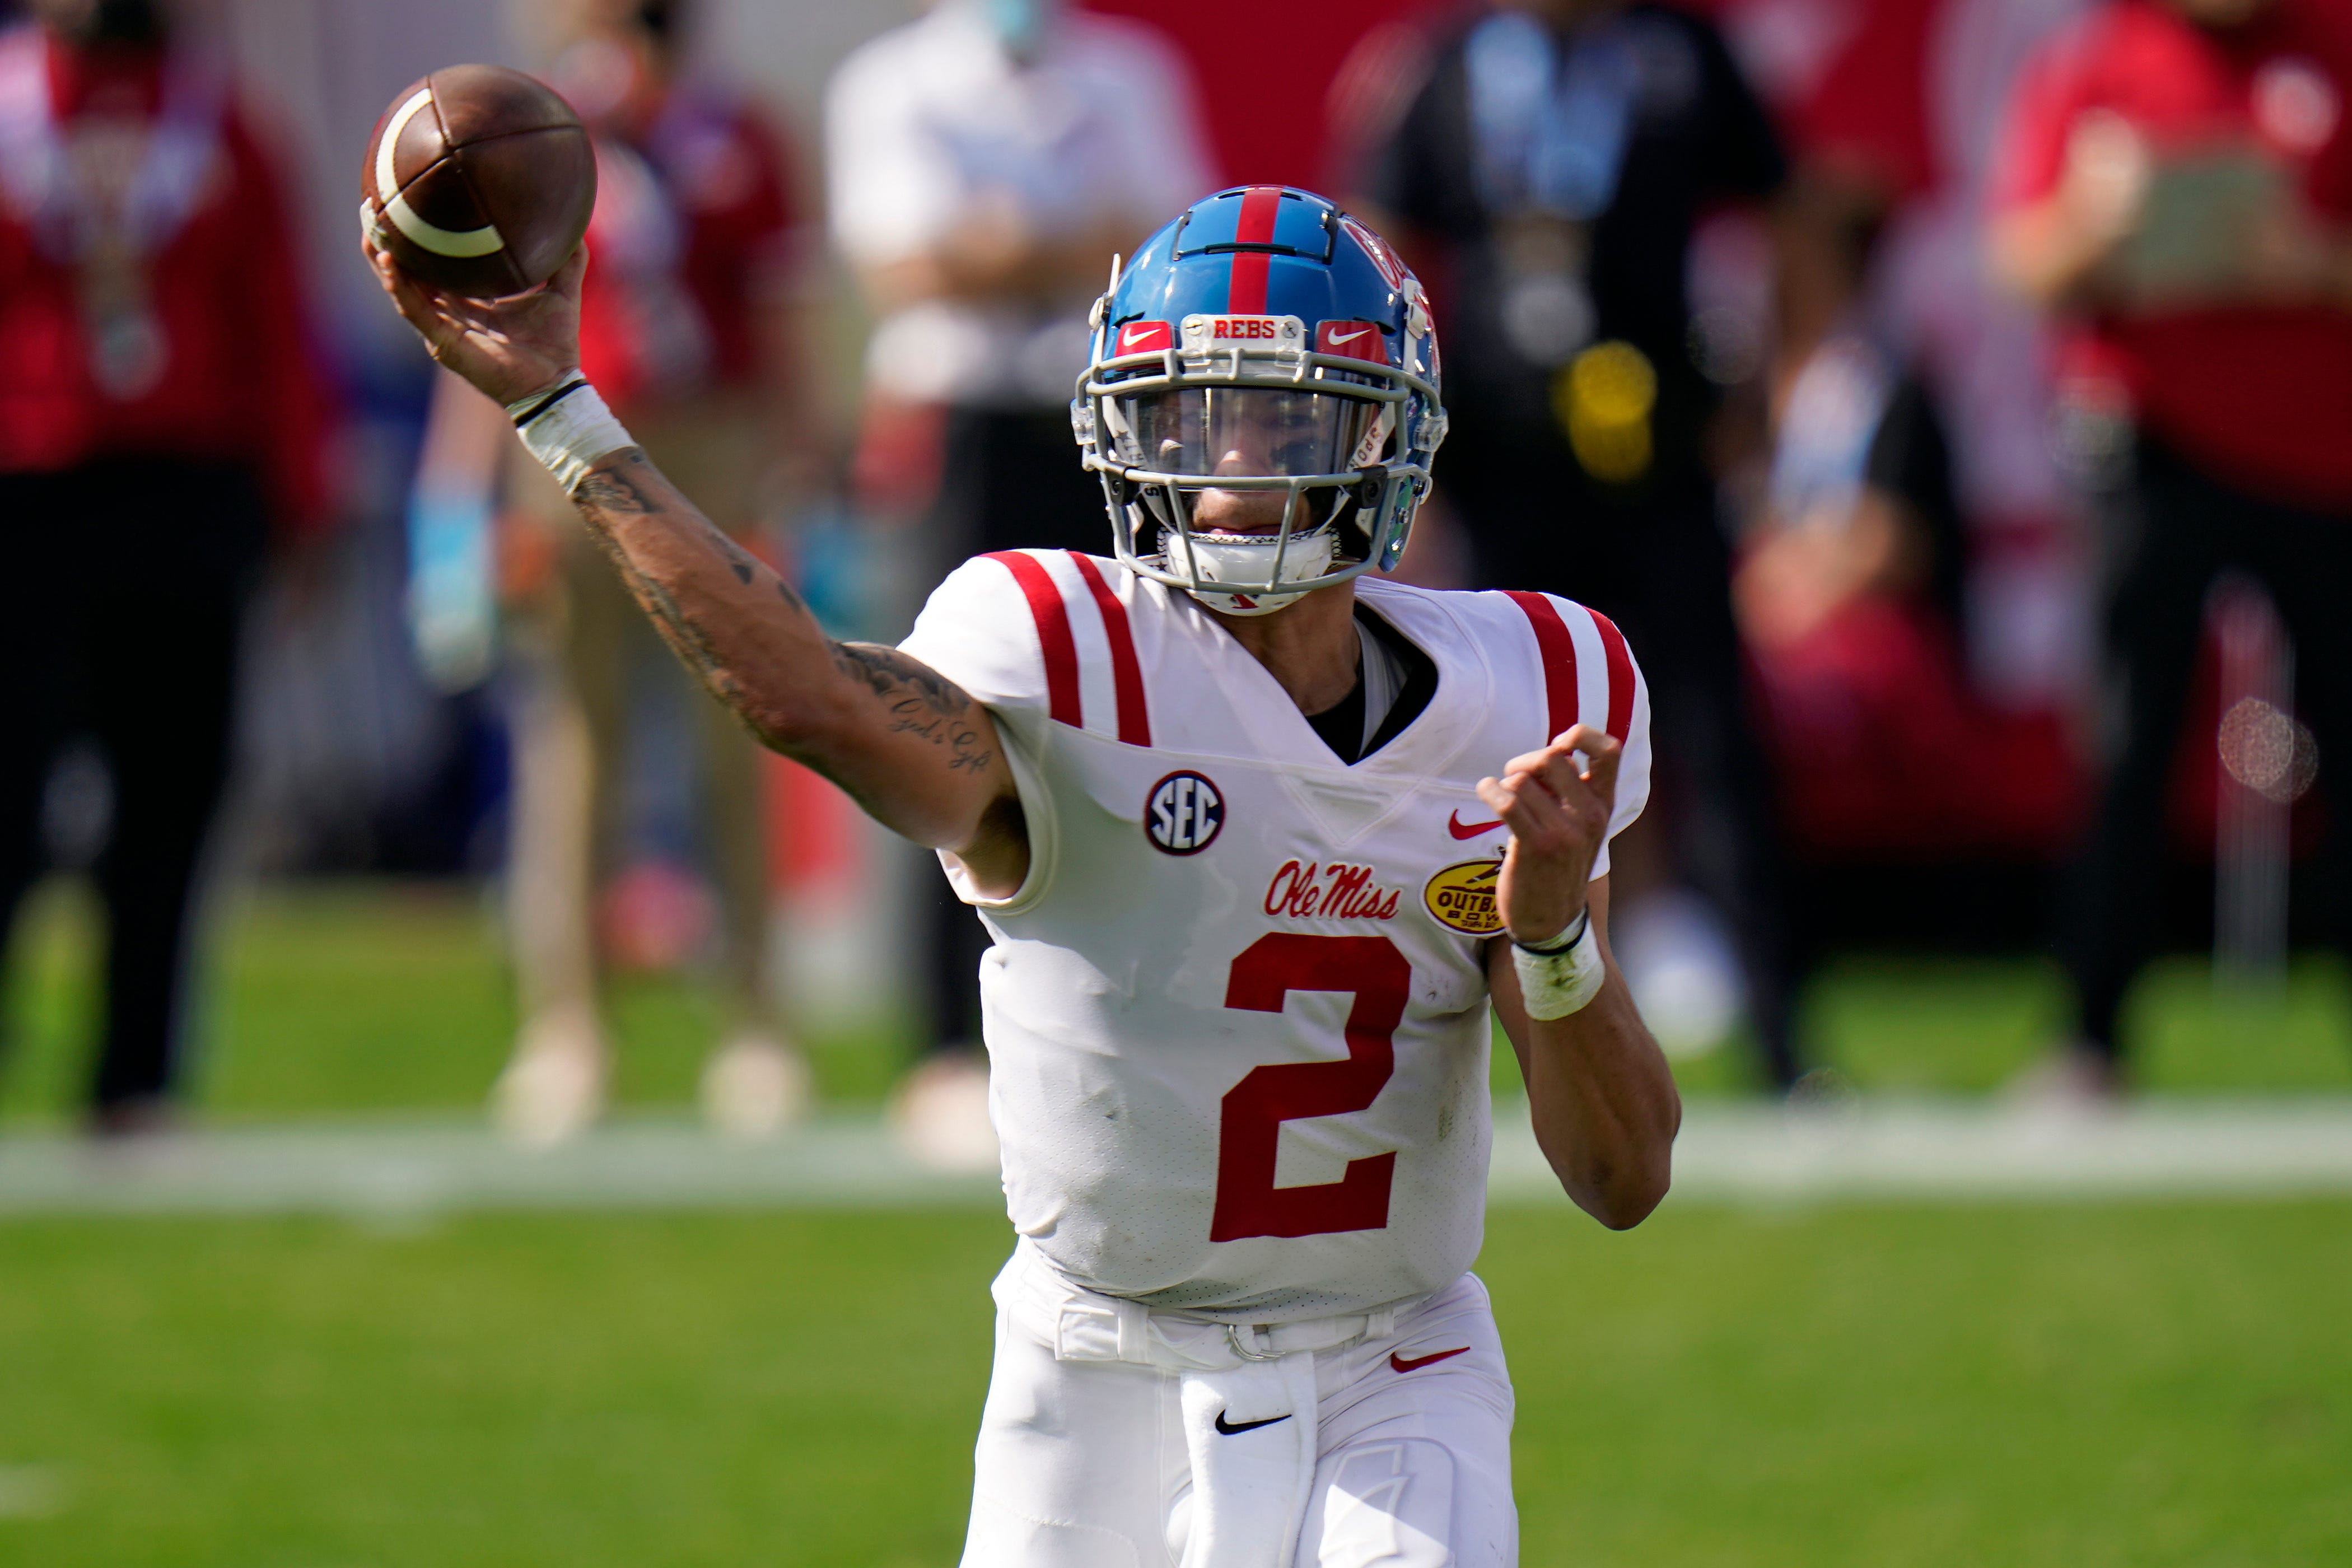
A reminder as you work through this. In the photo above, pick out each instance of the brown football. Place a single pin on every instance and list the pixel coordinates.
(480, 180)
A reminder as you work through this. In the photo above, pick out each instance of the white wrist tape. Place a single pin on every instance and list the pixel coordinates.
(568, 429)
(1555, 984)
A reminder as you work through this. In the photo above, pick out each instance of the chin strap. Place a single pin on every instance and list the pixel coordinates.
(1211, 558)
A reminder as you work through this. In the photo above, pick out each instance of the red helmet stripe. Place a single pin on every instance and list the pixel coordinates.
(1246, 295)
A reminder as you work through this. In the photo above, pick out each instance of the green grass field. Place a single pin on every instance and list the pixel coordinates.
(337, 999)
(2132, 1386)
(2138, 1387)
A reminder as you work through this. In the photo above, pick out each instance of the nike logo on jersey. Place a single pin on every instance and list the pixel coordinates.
(1338, 338)
(1402, 1364)
(1461, 830)
(1230, 1428)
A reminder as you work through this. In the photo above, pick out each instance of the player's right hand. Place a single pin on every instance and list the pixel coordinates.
(1557, 811)
(508, 349)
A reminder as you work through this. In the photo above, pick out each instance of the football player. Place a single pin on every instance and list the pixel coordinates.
(1261, 837)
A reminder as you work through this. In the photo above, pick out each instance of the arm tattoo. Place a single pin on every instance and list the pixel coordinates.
(616, 490)
(917, 700)
(920, 701)
(619, 492)
(677, 629)
(886, 671)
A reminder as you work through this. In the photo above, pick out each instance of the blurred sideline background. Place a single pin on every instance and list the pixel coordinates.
(367, 799)
(1927, 1308)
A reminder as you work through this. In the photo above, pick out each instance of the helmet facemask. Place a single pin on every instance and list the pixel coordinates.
(1257, 484)
(1251, 476)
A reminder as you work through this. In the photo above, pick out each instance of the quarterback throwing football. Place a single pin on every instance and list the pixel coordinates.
(1259, 838)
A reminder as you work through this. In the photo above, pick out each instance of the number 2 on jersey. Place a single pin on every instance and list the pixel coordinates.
(1372, 970)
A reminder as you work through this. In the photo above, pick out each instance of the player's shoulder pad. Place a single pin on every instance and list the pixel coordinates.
(1577, 668)
(1587, 669)
(1043, 630)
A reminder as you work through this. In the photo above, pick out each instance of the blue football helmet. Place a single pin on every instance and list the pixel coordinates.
(1265, 344)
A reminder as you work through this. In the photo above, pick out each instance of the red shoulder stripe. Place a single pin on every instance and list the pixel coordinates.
(1245, 294)
(1621, 675)
(1559, 652)
(1053, 633)
(1126, 673)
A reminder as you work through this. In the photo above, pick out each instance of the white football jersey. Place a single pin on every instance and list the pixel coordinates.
(1236, 1015)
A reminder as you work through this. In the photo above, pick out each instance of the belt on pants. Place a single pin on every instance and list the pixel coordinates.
(1080, 1324)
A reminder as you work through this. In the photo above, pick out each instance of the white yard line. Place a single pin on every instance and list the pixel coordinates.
(1954, 1151)
(1966, 1152)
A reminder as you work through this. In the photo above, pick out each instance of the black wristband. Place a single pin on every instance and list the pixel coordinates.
(1566, 938)
(549, 401)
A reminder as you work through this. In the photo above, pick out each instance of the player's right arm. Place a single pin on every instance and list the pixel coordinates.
(909, 745)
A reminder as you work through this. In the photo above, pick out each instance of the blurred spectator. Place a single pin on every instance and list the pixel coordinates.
(686, 327)
(163, 420)
(1850, 586)
(1284, 138)
(1547, 169)
(985, 162)
(1849, 582)
(2177, 181)
(1858, 499)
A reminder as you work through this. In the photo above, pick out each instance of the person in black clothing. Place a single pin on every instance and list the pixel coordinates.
(1858, 494)
(2210, 324)
(166, 422)
(1548, 172)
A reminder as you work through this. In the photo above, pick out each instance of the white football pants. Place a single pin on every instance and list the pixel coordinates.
(1118, 1438)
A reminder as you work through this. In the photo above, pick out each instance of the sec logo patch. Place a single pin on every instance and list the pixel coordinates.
(1462, 896)
(1184, 814)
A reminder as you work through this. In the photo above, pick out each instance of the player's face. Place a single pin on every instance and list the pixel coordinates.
(1245, 430)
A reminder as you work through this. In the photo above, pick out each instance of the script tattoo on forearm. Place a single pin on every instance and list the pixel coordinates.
(921, 701)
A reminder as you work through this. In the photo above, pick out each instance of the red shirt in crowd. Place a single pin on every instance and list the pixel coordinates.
(692, 218)
(1848, 82)
(163, 315)
(2260, 395)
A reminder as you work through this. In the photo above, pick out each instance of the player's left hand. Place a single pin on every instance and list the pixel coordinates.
(1558, 812)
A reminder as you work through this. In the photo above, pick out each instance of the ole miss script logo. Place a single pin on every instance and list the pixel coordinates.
(1184, 814)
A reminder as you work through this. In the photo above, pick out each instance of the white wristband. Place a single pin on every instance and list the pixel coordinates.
(1554, 985)
(568, 429)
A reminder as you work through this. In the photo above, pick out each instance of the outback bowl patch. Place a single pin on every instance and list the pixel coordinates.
(1462, 896)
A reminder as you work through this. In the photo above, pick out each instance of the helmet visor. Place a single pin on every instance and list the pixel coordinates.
(1236, 431)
